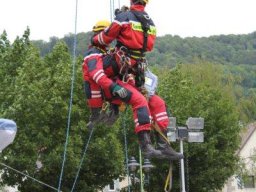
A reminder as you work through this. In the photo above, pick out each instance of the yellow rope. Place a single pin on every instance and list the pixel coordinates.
(157, 128)
(168, 180)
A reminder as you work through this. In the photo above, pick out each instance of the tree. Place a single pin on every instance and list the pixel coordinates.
(202, 90)
(39, 105)
(10, 61)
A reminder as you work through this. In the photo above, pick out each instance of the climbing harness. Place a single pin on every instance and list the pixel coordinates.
(125, 61)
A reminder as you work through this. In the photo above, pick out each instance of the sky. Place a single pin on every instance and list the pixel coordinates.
(186, 18)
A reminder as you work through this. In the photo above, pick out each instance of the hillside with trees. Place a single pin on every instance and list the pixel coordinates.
(170, 50)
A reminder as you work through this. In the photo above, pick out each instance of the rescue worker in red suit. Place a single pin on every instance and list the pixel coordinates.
(95, 80)
(94, 76)
(135, 34)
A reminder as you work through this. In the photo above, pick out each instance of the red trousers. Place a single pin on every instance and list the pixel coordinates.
(158, 111)
(97, 84)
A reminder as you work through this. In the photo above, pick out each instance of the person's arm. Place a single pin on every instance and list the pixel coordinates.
(109, 34)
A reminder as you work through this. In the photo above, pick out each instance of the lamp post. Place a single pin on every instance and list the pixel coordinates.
(191, 132)
(146, 167)
(132, 165)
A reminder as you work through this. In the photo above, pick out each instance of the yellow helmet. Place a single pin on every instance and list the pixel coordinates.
(100, 25)
(140, 1)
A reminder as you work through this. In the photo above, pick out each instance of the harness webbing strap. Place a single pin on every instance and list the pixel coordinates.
(144, 20)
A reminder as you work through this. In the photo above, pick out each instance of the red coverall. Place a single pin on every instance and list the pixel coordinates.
(126, 29)
(95, 79)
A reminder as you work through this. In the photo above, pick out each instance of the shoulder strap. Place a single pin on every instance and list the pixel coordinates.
(144, 19)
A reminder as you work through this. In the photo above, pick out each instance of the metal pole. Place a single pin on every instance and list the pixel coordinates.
(182, 168)
(141, 178)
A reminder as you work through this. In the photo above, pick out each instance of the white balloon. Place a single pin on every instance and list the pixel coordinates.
(8, 129)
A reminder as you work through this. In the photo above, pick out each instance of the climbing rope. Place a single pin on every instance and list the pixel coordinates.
(71, 99)
(168, 181)
(27, 176)
(111, 9)
(83, 157)
(119, 6)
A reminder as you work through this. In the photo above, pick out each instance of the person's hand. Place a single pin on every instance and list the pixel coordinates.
(120, 91)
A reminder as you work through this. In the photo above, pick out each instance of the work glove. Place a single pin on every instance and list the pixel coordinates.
(120, 91)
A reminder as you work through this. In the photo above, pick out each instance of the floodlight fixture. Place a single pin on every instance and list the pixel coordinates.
(195, 123)
(195, 137)
(172, 123)
(172, 136)
(182, 133)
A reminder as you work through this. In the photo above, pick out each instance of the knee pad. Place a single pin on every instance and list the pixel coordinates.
(87, 90)
(143, 115)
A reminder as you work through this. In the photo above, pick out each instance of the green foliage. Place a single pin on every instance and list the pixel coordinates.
(201, 91)
(36, 94)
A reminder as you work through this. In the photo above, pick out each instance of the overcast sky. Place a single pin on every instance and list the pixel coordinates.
(47, 18)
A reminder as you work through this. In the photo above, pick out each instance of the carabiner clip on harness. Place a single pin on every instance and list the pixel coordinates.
(125, 62)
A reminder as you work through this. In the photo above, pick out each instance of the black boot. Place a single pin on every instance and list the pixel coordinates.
(112, 115)
(146, 146)
(96, 117)
(167, 151)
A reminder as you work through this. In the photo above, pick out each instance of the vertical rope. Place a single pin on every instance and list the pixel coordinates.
(111, 15)
(141, 179)
(119, 5)
(70, 101)
(113, 6)
(82, 160)
(126, 148)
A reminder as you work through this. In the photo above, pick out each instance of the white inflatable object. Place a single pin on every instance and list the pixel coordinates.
(8, 129)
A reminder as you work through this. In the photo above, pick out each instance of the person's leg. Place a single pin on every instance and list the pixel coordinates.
(160, 116)
(94, 77)
(141, 116)
(94, 100)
